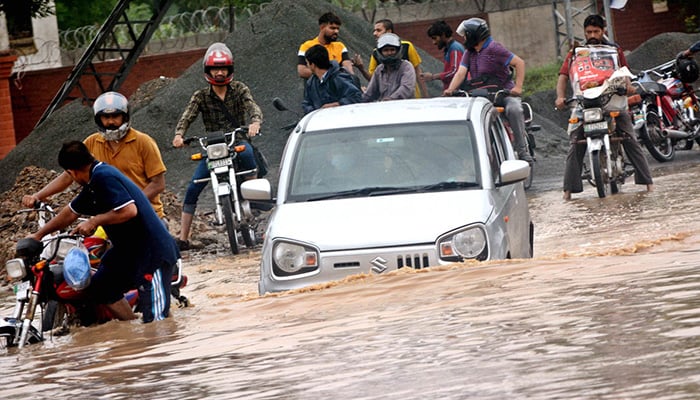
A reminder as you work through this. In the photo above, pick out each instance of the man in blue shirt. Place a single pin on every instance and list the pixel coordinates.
(142, 254)
(328, 86)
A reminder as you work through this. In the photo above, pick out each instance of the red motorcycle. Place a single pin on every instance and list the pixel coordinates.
(669, 114)
(49, 276)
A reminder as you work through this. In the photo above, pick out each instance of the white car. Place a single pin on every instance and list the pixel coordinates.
(371, 188)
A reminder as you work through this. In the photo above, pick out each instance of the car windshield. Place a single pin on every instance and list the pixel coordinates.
(384, 160)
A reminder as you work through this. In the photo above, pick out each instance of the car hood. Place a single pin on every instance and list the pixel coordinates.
(379, 221)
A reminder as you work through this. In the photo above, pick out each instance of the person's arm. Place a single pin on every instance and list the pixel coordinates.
(347, 64)
(112, 217)
(453, 66)
(357, 62)
(420, 82)
(303, 71)
(372, 91)
(349, 93)
(456, 81)
(155, 186)
(519, 65)
(64, 218)
(562, 81)
(692, 50)
(188, 116)
(58, 185)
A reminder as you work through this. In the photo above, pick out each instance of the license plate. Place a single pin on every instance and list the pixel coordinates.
(22, 289)
(596, 126)
(224, 162)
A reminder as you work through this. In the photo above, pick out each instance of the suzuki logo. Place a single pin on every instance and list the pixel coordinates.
(379, 265)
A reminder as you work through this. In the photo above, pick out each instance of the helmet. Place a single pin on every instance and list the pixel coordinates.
(391, 40)
(218, 56)
(687, 70)
(474, 31)
(111, 103)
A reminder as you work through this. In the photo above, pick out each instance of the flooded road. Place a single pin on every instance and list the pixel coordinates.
(608, 309)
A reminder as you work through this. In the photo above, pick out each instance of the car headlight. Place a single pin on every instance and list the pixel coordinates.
(469, 243)
(15, 268)
(293, 259)
(593, 114)
(216, 151)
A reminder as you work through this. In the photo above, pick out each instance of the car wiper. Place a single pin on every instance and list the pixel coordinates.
(366, 191)
(447, 185)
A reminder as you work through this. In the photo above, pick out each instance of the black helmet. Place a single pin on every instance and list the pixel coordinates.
(389, 40)
(474, 31)
(687, 70)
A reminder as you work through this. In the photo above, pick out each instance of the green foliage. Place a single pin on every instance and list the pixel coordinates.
(37, 8)
(541, 78)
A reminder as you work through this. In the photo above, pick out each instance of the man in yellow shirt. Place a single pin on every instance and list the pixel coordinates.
(409, 53)
(329, 26)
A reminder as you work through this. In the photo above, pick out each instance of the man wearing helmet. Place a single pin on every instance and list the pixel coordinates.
(133, 153)
(594, 32)
(408, 52)
(225, 105)
(329, 26)
(395, 77)
(485, 57)
(441, 35)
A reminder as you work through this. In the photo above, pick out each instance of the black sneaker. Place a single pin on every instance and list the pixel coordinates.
(183, 244)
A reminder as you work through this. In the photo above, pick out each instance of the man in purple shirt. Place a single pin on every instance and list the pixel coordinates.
(484, 57)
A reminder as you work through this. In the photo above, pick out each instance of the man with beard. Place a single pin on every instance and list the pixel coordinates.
(594, 32)
(395, 77)
(133, 153)
(329, 26)
(441, 35)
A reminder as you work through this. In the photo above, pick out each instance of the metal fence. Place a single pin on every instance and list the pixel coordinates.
(177, 32)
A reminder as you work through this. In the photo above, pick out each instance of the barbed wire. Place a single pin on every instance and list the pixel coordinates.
(179, 31)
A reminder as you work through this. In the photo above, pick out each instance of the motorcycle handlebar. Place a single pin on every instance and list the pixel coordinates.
(231, 135)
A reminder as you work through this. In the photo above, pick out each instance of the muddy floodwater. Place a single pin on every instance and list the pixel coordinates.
(608, 309)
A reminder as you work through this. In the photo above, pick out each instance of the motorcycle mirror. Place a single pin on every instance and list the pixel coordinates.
(279, 104)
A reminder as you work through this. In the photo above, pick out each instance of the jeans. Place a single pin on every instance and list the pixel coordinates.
(514, 114)
(246, 162)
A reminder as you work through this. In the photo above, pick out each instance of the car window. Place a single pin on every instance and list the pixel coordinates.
(497, 150)
(407, 156)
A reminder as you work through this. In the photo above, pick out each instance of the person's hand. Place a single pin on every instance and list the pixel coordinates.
(447, 92)
(85, 228)
(684, 54)
(560, 103)
(178, 141)
(427, 76)
(516, 91)
(253, 129)
(357, 61)
(28, 200)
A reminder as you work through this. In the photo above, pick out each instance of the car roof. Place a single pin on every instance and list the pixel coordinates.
(395, 112)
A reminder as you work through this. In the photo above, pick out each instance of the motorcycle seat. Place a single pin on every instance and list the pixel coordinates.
(653, 87)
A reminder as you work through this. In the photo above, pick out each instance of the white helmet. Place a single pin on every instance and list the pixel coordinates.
(112, 103)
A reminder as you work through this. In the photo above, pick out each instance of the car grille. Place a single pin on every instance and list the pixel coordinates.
(416, 261)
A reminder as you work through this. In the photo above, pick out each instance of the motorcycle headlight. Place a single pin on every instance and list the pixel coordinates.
(293, 258)
(64, 246)
(15, 268)
(469, 243)
(216, 151)
(593, 114)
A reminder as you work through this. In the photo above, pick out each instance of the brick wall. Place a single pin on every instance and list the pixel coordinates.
(638, 22)
(7, 138)
(33, 91)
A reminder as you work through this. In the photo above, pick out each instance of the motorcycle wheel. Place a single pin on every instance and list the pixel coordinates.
(597, 170)
(230, 219)
(248, 234)
(660, 148)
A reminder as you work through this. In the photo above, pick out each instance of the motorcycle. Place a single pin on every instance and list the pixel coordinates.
(596, 108)
(496, 95)
(221, 152)
(45, 280)
(668, 113)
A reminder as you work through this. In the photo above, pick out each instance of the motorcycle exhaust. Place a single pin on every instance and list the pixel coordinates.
(675, 134)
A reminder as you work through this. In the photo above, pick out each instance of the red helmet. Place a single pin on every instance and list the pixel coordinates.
(218, 56)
